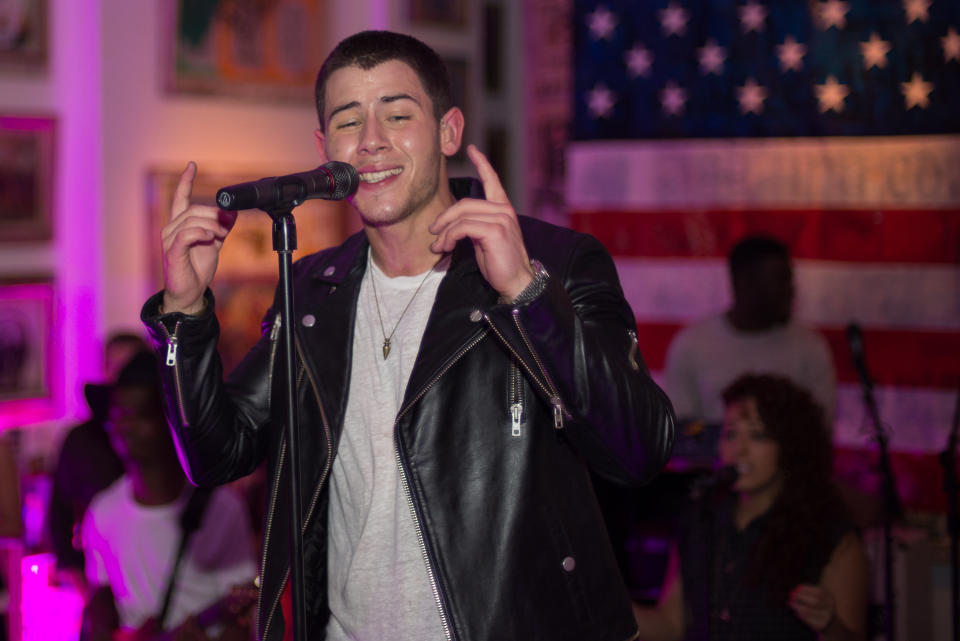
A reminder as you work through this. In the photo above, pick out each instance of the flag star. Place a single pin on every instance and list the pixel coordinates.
(600, 100)
(875, 52)
(951, 45)
(833, 13)
(712, 57)
(673, 20)
(791, 54)
(917, 10)
(601, 23)
(831, 95)
(639, 60)
(673, 99)
(751, 97)
(752, 17)
(916, 93)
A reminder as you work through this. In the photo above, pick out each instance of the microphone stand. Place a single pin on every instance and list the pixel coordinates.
(891, 502)
(948, 461)
(284, 243)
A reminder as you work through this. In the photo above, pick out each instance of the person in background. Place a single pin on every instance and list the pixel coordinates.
(757, 334)
(775, 554)
(132, 531)
(86, 463)
(460, 369)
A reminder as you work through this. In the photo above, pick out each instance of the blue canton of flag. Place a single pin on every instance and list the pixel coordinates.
(719, 68)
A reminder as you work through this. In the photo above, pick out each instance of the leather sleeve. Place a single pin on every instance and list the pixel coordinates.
(580, 336)
(220, 428)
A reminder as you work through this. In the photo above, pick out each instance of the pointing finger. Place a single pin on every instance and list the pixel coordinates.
(492, 187)
(181, 197)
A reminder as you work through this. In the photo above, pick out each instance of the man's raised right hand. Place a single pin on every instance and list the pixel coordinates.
(191, 247)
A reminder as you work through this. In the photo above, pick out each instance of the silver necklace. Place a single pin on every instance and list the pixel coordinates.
(376, 298)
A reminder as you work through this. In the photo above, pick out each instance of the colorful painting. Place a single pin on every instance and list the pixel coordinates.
(266, 49)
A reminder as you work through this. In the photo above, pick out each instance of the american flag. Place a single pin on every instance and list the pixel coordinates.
(829, 124)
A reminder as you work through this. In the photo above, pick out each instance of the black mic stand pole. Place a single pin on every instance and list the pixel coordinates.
(948, 461)
(891, 504)
(284, 243)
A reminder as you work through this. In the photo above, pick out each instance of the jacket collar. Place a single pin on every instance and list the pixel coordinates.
(331, 300)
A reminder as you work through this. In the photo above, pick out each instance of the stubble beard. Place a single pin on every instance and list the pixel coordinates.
(421, 193)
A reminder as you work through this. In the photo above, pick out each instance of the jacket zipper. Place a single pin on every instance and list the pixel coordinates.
(516, 399)
(173, 343)
(313, 500)
(555, 399)
(431, 574)
(547, 386)
(634, 348)
(274, 333)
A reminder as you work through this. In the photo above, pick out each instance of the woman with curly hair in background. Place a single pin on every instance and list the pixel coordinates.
(776, 555)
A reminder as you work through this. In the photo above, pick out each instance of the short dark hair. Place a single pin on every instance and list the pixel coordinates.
(142, 370)
(369, 49)
(794, 420)
(751, 250)
(126, 338)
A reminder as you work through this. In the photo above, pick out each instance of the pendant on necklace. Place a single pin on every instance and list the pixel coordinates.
(386, 348)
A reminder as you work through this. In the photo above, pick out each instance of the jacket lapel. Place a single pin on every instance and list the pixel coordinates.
(325, 312)
(450, 327)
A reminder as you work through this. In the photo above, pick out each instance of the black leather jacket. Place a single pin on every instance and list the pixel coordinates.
(513, 540)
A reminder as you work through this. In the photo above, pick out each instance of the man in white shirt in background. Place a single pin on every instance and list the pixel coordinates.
(757, 334)
(132, 530)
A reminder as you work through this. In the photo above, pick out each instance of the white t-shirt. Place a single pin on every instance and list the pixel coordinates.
(707, 356)
(131, 548)
(378, 582)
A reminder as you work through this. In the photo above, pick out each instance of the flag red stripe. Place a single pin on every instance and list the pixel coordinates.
(905, 358)
(881, 235)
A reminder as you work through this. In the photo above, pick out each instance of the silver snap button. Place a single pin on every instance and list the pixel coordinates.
(476, 316)
(309, 320)
(569, 563)
(329, 270)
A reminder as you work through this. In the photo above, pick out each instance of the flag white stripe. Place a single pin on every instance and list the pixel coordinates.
(879, 295)
(858, 173)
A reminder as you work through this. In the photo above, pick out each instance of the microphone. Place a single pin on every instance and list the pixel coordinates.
(331, 181)
(855, 340)
(723, 477)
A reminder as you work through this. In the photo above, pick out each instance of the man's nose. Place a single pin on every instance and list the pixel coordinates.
(373, 138)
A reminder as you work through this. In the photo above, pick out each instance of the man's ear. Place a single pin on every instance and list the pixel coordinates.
(451, 131)
(321, 141)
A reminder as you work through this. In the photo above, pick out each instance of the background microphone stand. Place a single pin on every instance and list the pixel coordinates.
(891, 501)
(948, 461)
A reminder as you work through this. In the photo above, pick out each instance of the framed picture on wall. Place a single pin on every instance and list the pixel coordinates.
(438, 13)
(264, 49)
(247, 271)
(26, 321)
(26, 178)
(23, 34)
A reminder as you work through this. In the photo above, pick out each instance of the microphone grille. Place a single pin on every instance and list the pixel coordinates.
(346, 180)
